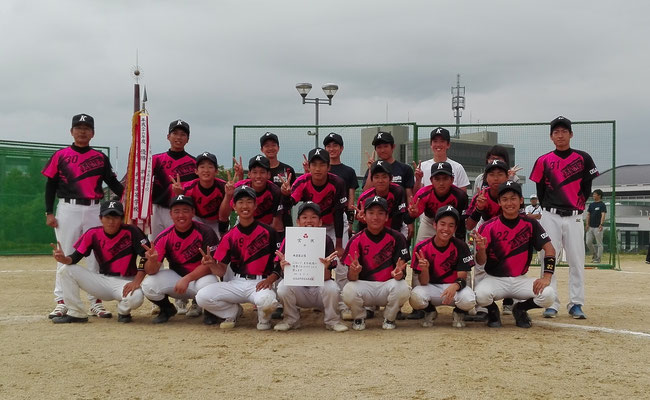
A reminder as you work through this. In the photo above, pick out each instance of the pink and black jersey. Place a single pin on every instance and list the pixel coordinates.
(79, 172)
(268, 201)
(329, 249)
(208, 200)
(396, 199)
(510, 244)
(564, 179)
(171, 163)
(491, 210)
(250, 250)
(444, 262)
(182, 248)
(116, 254)
(331, 197)
(378, 254)
(429, 202)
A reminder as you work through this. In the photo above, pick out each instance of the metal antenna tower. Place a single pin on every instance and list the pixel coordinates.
(458, 102)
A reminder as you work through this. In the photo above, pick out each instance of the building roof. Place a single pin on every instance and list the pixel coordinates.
(636, 174)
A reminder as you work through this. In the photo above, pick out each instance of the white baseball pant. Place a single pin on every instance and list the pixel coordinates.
(162, 283)
(595, 233)
(426, 230)
(421, 296)
(160, 220)
(73, 221)
(392, 294)
(325, 298)
(223, 298)
(494, 288)
(341, 270)
(104, 287)
(567, 233)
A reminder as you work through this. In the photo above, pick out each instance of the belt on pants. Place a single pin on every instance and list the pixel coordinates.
(250, 276)
(81, 202)
(562, 212)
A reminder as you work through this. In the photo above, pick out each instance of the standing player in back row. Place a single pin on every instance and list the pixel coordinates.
(334, 145)
(75, 176)
(563, 178)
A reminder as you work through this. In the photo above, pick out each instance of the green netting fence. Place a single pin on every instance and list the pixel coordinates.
(22, 197)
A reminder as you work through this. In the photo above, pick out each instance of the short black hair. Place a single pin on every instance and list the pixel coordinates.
(598, 192)
(498, 151)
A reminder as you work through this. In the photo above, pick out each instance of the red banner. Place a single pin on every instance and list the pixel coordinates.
(137, 193)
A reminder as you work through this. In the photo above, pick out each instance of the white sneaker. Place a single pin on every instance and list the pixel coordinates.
(194, 310)
(98, 310)
(285, 326)
(181, 306)
(337, 327)
(359, 324)
(346, 315)
(388, 324)
(263, 326)
(227, 324)
(507, 309)
(59, 311)
(429, 317)
(458, 320)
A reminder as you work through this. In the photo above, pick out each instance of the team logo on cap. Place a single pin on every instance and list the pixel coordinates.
(111, 204)
(379, 162)
(180, 197)
(495, 162)
(258, 158)
(439, 165)
(449, 208)
(331, 135)
(267, 134)
(179, 122)
(379, 135)
(508, 183)
(205, 154)
(439, 130)
(317, 152)
(82, 118)
(376, 198)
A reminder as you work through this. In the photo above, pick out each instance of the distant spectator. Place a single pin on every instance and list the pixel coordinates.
(594, 225)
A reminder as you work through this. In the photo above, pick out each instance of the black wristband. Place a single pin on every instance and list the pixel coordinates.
(549, 264)
(461, 283)
(476, 215)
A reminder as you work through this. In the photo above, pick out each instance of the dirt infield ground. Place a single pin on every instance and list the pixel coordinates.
(185, 359)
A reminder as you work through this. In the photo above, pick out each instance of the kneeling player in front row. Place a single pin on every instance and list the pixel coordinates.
(376, 258)
(505, 245)
(441, 264)
(324, 297)
(181, 244)
(116, 247)
(250, 248)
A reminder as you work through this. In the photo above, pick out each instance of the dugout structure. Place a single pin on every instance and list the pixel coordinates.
(525, 142)
(22, 197)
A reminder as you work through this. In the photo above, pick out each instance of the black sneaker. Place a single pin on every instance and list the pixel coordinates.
(278, 313)
(370, 314)
(493, 316)
(126, 318)
(521, 316)
(68, 319)
(416, 314)
(480, 316)
(211, 319)
(166, 312)
(400, 316)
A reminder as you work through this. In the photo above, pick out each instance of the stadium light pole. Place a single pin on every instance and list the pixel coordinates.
(329, 89)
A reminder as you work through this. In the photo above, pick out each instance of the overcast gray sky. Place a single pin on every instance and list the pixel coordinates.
(221, 63)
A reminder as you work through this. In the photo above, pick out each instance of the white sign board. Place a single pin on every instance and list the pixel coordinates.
(302, 249)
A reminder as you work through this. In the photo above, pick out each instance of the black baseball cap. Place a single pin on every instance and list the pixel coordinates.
(309, 205)
(320, 154)
(182, 199)
(207, 156)
(243, 191)
(380, 166)
(447, 210)
(561, 121)
(510, 186)
(269, 136)
(440, 131)
(179, 124)
(111, 207)
(383, 137)
(441, 168)
(83, 119)
(376, 201)
(259, 161)
(496, 164)
(333, 137)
